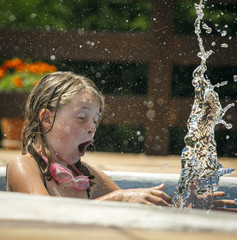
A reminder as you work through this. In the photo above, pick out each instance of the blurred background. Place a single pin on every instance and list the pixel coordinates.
(141, 55)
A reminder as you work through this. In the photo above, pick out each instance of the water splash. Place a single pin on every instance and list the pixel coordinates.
(200, 167)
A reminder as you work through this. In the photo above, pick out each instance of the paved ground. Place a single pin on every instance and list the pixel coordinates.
(129, 162)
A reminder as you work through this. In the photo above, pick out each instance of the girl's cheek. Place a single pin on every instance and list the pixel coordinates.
(67, 129)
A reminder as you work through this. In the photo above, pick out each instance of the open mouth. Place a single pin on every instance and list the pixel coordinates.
(83, 146)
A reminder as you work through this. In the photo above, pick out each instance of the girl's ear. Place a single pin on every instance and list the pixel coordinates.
(46, 118)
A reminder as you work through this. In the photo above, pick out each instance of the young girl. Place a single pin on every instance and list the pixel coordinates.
(61, 116)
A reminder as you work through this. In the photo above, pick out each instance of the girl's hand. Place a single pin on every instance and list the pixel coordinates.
(149, 196)
(222, 204)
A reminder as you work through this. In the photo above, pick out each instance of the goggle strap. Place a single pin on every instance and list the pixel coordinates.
(76, 169)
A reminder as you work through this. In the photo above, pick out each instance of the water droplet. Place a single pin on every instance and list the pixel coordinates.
(213, 43)
(224, 45)
(157, 137)
(125, 142)
(223, 33)
(207, 28)
(141, 139)
(138, 133)
(227, 137)
(12, 18)
(150, 114)
(33, 15)
(235, 78)
(52, 57)
(221, 84)
(98, 75)
(47, 28)
(150, 104)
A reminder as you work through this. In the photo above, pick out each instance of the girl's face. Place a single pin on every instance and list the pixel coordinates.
(74, 128)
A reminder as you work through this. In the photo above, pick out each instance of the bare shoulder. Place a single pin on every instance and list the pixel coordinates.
(21, 163)
(103, 183)
(23, 175)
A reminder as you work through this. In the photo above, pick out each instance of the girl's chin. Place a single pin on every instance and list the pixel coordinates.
(70, 160)
(76, 157)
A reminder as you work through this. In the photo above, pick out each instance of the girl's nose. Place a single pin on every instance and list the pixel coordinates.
(92, 128)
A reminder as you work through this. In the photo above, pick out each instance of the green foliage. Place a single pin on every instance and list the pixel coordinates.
(117, 15)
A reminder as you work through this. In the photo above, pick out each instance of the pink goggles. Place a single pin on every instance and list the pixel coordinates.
(62, 174)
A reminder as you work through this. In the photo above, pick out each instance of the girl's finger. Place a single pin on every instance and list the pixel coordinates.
(161, 194)
(221, 203)
(157, 201)
(218, 194)
(160, 187)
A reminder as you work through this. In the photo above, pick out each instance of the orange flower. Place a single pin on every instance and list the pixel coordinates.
(40, 68)
(17, 81)
(13, 63)
(2, 72)
(21, 68)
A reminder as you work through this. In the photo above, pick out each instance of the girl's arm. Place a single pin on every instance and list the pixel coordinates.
(106, 190)
(23, 175)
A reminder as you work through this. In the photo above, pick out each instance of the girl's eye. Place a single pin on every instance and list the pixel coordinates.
(81, 118)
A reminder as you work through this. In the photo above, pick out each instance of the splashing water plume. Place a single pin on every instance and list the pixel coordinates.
(201, 171)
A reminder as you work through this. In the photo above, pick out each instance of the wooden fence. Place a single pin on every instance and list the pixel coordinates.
(160, 48)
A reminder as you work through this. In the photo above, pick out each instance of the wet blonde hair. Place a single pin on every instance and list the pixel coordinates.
(52, 92)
